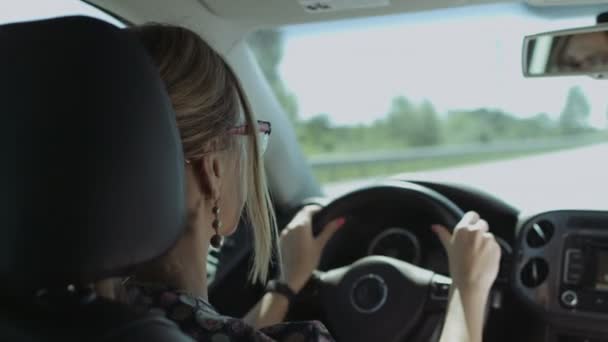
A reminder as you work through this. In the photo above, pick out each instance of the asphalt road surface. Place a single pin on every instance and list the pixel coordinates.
(568, 179)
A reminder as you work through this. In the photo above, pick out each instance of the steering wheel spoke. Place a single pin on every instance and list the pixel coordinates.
(439, 293)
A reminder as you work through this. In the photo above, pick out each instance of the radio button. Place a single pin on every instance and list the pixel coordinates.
(574, 256)
(574, 266)
(600, 302)
(573, 278)
(569, 298)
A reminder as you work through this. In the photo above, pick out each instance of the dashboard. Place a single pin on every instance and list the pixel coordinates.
(561, 272)
(553, 279)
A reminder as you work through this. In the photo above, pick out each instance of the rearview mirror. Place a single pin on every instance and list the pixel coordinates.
(582, 51)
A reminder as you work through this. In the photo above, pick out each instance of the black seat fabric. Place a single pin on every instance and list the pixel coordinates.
(93, 178)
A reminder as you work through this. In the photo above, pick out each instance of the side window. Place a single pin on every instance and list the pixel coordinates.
(12, 11)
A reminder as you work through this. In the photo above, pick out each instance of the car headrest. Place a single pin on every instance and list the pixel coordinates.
(98, 186)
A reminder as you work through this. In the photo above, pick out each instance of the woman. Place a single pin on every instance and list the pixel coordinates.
(222, 145)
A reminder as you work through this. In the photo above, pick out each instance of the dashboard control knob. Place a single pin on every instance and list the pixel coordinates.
(569, 298)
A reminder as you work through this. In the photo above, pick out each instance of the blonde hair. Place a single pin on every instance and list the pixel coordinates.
(207, 98)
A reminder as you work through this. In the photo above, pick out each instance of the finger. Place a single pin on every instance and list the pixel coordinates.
(490, 240)
(303, 217)
(493, 244)
(444, 235)
(311, 209)
(468, 219)
(305, 214)
(482, 225)
(489, 236)
(291, 228)
(329, 230)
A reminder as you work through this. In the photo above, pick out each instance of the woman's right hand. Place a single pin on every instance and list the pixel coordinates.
(473, 253)
(301, 250)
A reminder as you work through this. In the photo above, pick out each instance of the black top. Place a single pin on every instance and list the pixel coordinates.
(199, 319)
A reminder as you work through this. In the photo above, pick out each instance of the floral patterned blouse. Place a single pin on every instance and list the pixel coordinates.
(197, 318)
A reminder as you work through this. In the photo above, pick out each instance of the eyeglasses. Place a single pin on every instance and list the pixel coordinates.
(264, 128)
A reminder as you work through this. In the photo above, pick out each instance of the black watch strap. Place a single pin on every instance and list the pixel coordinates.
(280, 287)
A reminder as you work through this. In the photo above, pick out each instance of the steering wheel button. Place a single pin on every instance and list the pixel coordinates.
(440, 290)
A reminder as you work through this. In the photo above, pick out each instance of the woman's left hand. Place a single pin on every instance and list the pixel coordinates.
(301, 250)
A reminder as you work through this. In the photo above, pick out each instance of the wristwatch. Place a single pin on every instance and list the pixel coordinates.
(280, 287)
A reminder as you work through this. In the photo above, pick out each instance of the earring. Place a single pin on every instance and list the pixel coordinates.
(216, 240)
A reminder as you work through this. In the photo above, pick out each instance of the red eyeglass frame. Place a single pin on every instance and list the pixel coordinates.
(264, 129)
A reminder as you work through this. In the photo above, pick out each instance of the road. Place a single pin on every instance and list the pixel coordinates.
(569, 179)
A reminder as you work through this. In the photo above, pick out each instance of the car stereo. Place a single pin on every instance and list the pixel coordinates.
(584, 283)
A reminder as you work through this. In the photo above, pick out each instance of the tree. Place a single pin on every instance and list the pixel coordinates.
(539, 125)
(402, 122)
(316, 135)
(413, 125)
(429, 132)
(268, 48)
(575, 115)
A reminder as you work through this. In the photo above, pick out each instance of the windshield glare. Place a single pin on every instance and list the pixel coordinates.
(425, 91)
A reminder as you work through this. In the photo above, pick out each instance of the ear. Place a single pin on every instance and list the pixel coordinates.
(211, 174)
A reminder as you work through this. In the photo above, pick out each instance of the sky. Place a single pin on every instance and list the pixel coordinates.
(457, 59)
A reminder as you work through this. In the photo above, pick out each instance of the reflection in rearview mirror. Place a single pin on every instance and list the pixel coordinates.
(569, 52)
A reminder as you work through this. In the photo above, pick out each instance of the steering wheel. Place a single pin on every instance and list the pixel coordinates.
(379, 298)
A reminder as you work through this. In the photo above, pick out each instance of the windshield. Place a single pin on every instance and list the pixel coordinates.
(426, 92)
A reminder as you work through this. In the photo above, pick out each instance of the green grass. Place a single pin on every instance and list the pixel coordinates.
(343, 173)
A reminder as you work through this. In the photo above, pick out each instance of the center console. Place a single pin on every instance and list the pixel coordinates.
(561, 271)
(584, 284)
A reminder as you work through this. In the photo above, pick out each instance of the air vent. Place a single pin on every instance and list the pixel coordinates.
(540, 234)
(535, 272)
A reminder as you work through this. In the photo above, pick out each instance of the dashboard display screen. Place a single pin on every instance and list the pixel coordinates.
(601, 276)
